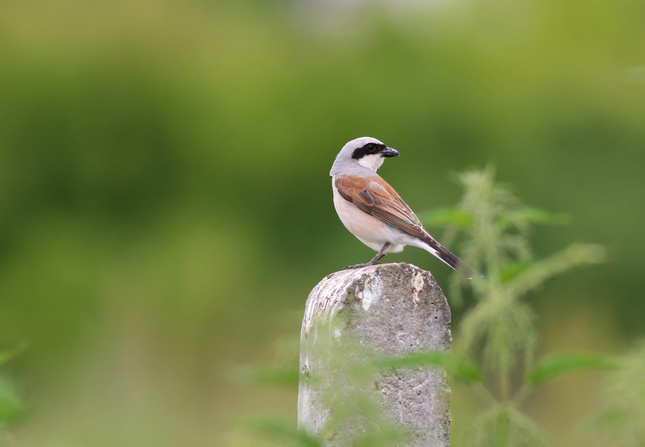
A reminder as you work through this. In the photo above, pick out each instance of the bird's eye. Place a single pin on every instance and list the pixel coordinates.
(371, 148)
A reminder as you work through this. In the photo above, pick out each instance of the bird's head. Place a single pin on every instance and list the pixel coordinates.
(368, 152)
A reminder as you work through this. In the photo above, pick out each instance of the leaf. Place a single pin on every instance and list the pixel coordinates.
(459, 367)
(6, 356)
(286, 430)
(12, 404)
(447, 217)
(537, 274)
(533, 215)
(512, 269)
(264, 375)
(623, 393)
(558, 364)
(504, 425)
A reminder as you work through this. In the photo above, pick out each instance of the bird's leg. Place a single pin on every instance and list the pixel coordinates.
(374, 260)
(379, 255)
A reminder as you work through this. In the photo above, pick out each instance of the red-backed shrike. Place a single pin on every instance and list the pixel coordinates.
(373, 211)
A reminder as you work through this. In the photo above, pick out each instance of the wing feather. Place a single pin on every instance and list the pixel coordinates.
(377, 198)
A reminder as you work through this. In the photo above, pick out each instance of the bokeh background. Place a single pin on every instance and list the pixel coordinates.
(165, 204)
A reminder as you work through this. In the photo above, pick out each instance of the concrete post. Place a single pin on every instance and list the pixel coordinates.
(350, 316)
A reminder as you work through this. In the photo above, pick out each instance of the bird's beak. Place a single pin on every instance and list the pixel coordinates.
(389, 152)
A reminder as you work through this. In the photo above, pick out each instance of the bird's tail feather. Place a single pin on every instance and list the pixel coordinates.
(450, 259)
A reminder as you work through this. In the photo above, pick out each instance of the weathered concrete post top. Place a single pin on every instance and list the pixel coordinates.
(384, 309)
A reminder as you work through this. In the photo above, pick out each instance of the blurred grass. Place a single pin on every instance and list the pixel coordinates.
(164, 195)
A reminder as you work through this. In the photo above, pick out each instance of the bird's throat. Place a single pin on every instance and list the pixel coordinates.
(373, 161)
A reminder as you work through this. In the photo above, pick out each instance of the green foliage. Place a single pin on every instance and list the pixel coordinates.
(458, 367)
(269, 431)
(555, 365)
(501, 325)
(504, 328)
(497, 243)
(502, 426)
(347, 379)
(6, 356)
(497, 233)
(621, 422)
(499, 331)
(286, 433)
(12, 402)
(264, 375)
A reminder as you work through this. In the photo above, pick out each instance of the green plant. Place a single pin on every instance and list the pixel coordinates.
(12, 403)
(620, 424)
(499, 332)
(497, 337)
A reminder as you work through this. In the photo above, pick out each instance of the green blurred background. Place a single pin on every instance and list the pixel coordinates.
(165, 204)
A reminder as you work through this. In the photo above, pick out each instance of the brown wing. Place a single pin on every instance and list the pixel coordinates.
(377, 198)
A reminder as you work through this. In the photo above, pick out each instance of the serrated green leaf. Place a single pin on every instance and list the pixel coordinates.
(447, 217)
(559, 364)
(534, 215)
(457, 366)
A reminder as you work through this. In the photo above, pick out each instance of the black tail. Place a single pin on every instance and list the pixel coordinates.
(450, 259)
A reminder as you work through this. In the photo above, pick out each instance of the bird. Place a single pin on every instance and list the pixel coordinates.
(374, 212)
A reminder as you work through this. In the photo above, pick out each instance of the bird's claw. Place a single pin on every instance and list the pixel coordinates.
(356, 266)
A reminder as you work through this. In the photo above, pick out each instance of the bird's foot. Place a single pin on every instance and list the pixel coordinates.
(374, 260)
(358, 266)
